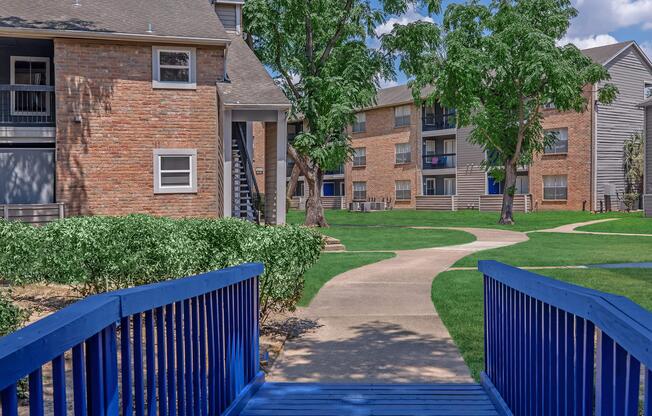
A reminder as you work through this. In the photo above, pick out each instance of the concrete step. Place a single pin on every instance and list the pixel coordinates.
(333, 244)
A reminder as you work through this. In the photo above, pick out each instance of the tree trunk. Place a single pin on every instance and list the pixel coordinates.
(507, 213)
(294, 179)
(314, 208)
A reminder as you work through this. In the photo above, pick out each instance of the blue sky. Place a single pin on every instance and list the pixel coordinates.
(600, 22)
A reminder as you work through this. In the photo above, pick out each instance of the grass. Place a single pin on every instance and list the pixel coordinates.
(470, 218)
(554, 249)
(332, 264)
(458, 297)
(632, 224)
(395, 238)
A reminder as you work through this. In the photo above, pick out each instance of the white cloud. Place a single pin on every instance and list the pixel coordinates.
(387, 83)
(647, 48)
(411, 16)
(609, 15)
(590, 41)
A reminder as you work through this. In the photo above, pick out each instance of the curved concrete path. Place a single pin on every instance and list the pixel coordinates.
(377, 323)
(573, 229)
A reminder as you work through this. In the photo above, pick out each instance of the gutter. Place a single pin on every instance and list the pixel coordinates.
(78, 34)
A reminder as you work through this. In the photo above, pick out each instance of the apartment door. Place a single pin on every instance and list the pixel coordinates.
(449, 186)
(449, 150)
(329, 189)
(431, 186)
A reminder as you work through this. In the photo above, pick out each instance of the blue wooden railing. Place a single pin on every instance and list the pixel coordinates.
(552, 348)
(180, 347)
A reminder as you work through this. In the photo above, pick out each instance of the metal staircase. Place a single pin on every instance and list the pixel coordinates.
(246, 196)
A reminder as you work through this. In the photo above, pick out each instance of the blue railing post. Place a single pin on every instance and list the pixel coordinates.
(196, 356)
(540, 338)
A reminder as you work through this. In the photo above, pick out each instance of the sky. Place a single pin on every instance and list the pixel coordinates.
(600, 22)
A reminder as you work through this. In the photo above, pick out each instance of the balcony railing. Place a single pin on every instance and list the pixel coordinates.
(338, 171)
(440, 161)
(432, 122)
(27, 105)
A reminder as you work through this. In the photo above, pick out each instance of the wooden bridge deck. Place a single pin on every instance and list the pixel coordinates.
(308, 399)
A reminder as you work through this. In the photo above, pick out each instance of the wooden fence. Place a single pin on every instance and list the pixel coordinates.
(199, 355)
(522, 203)
(552, 348)
(436, 203)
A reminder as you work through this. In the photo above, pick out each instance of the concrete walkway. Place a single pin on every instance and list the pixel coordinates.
(572, 229)
(377, 323)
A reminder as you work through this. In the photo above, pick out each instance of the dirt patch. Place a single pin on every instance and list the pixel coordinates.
(41, 300)
(276, 332)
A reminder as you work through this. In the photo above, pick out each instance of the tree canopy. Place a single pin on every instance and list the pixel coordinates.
(498, 65)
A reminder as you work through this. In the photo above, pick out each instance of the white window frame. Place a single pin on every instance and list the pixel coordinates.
(398, 189)
(402, 116)
(408, 159)
(161, 153)
(13, 60)
(555, 187)
(360, 123)
(156, 68)
(357, 157)
(450, 186)
(647, 85)
(563, 137)
(364, 184)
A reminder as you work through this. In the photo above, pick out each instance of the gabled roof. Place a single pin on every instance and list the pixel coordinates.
(249, 84)
(398, 95)
(604, 54)
(187, 21)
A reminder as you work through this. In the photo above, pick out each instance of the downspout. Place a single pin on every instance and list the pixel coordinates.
(594, 148)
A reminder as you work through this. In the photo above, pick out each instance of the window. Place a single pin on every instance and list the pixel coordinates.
(402, 116)
(449, 186)
(360, 156)
(360, 123)
(359, 191)
(555, 188)
(647, 91)
(561, 142)
(29, 70)
(175, 171)
(403, 190)
(403, 153)
(173, 68)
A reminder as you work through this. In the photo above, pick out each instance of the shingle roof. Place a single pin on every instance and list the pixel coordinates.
(603, 54)
(250, 84)
(168, 18)
(400, 94)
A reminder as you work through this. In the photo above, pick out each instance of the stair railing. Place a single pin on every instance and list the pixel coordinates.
(254, 191)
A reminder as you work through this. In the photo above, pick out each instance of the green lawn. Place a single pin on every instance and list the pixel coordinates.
(632, 224)
(470, 218)
(554, 249)
(395, 238)
(332, 264)
(458, 297)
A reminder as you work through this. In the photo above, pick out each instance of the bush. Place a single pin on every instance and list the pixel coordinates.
(98, 254)
(11, 316)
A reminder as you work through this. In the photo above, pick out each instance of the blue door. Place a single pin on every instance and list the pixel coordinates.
(329, 189)
(494, 187)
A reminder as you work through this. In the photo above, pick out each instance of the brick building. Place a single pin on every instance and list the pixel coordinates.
(131, 106)
(418, 158)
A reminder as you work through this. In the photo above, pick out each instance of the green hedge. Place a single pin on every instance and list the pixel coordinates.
(97, 254)
(11, 316)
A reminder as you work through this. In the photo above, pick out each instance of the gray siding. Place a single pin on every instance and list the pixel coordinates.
(618, 121)
(227, 14)
(470, 175)
(648, 152)
(26, 176)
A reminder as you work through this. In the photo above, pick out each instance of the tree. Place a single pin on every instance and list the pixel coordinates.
(634, 162)
(318, 49)
(498, 65)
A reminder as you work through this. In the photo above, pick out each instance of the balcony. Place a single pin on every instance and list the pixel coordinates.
(338, 171)
(27, 106)
(440, 161)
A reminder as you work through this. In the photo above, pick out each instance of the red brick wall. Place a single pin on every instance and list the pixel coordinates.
(105, 162)
(576, 164)
(381, 172)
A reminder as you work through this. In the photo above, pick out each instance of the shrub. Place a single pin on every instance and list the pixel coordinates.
(98, 254)
(11, 316)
